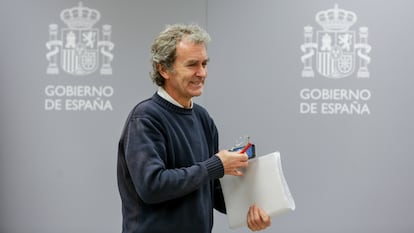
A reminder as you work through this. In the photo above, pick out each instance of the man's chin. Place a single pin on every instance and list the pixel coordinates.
(197, 92)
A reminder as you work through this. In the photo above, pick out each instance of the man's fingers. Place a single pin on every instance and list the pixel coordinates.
(257, 219)
(237, 173)
(265, 218)
(233, 162)
(250, 219)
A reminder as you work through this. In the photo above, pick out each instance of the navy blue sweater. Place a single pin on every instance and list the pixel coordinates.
(167, 169)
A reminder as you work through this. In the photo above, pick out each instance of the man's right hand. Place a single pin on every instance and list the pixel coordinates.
(233, 161)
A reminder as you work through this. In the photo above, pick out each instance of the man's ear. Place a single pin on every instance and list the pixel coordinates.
(163, 71)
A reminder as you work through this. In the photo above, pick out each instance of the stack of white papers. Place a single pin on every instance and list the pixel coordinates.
(263, 184)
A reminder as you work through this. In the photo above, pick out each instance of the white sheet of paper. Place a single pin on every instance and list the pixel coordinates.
(263, 184)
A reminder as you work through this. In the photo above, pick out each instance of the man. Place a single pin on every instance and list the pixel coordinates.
(168, 159)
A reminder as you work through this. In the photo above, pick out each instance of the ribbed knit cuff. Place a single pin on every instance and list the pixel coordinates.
(215, 167)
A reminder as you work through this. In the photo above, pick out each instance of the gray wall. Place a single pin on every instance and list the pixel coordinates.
(348, 172)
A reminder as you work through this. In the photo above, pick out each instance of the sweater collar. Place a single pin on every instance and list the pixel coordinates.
(170, 106)
(164, 94)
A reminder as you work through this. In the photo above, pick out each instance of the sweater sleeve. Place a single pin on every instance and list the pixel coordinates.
(214, 167)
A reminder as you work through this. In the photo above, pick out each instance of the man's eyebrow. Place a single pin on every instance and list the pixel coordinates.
(192, 61)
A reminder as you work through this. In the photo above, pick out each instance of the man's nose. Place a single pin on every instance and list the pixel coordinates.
(202, 71)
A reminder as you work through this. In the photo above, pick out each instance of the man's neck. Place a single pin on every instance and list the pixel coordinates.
(165, 95)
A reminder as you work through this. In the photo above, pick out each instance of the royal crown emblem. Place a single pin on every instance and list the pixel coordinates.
(336, 48)
(79, 44)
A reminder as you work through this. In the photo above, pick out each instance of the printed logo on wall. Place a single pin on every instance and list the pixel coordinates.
(79, 50)
(336, 53)
(79, 43)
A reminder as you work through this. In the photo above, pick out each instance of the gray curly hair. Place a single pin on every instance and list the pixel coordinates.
(163, 49)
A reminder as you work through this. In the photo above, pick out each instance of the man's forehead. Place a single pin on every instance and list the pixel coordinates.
(191, 51)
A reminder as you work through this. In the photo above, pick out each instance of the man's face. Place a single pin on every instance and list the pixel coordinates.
(187, 78)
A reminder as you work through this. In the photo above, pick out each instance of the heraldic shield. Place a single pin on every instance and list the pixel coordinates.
(79, 44)
(336, 47)
(80, 51)
(336, 53)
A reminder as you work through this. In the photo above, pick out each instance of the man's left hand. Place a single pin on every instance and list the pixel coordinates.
(257, 219)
